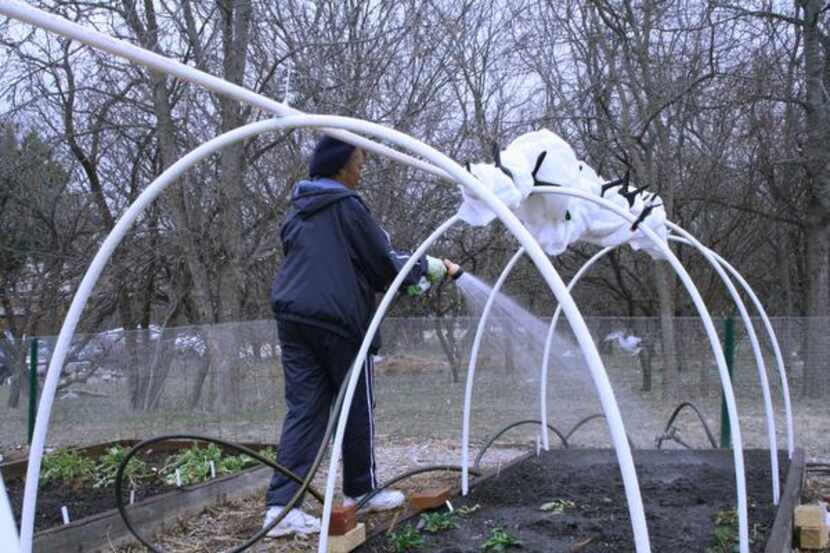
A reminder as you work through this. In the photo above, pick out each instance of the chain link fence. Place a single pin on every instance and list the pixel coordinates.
(226, 381)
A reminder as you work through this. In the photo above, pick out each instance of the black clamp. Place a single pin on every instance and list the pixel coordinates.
(642, 217)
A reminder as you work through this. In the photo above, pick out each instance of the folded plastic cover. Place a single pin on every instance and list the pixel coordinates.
(543, 157)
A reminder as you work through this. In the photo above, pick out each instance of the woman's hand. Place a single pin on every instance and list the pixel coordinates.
(452, 268)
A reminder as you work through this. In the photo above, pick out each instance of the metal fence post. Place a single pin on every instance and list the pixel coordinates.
(32, 388)
(729, 353)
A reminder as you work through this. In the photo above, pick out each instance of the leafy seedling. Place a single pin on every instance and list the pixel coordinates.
(107, 467)
(70, 466)
(233, 464)
(558, 506)
(193, 465)
(268, 453)
(725, 533)
(405, 539)
(438, 522)
(499, 541)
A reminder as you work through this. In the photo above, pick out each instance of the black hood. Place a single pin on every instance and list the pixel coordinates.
(309, 197)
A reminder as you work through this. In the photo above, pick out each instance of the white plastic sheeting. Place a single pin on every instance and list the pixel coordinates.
(543, 157)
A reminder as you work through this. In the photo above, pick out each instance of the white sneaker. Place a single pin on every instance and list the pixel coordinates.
(383, 501)
(296, 522)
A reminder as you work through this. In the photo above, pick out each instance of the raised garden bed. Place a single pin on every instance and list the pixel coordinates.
(96, 524)
(573, 500)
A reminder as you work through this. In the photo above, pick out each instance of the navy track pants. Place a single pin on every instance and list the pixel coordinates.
(315, 363)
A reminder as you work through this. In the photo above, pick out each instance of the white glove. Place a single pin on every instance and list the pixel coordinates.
(436, 270)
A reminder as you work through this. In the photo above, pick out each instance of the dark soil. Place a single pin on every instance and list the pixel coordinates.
(84, 501)
(682, 491)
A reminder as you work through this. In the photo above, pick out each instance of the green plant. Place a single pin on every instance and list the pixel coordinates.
(558, 506)
(499, 541)
(107, 467)
(438, 522)
(268, 453)
(238, 463)
(193, 465)
(67, 465)
(725, 533)
(405, 539)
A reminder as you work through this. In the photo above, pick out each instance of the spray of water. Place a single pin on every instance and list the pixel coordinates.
(571, 393)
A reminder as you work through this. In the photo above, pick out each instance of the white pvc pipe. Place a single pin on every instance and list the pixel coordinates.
(756, 350)
(471, 370)
(123, 49)
(782, 371)
(726, 383)
(543, 390)
(603, 385)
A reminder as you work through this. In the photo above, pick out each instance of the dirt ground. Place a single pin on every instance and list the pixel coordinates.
(683, 493)
(225, 526)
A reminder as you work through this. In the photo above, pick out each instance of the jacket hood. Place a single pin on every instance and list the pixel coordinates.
(311, 196)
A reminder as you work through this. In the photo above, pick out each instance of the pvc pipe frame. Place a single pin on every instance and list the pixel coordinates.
(603, 385)
(20, 11)
(471, 370)
(770, 416)
(779, 358)
(726, 383)
(446, 167)
(508, 218)
(785, 390)
(756, 348)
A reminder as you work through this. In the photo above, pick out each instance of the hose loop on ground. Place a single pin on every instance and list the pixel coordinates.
(670, 433)
(497, 435)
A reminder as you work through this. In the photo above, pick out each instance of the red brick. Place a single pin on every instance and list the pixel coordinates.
(343, 519)
(429, 499)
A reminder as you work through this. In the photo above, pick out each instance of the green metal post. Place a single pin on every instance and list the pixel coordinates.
(729, 352)
(32, 388)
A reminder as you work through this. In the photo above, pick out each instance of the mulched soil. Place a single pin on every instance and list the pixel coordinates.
(230, 524)
(681, 496)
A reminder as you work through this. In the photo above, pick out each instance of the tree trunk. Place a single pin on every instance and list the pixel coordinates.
(818, 307)
(817, 68)
(509, 354)
(446, 337)
(19, 381)
(646, 357)
(664, 279)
